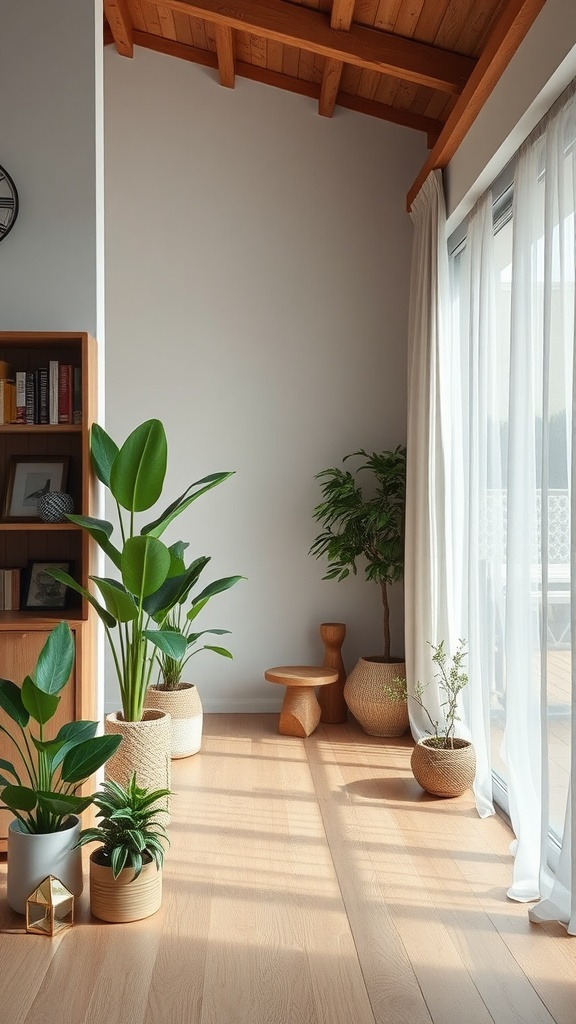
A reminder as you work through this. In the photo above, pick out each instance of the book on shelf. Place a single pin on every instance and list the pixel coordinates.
(65, 387)
(6, 370)
(21, 396)
(53, 391)
(7, 401)
(42, 394)
(30, 414)
(9, 590)
(77, 396)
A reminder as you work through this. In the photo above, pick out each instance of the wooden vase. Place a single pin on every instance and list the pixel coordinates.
(333, 709)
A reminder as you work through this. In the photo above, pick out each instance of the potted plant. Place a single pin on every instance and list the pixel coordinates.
(171, 694)
(41, 786)
(367, 523)
(135, 607)
(126, 869)
(444, 764)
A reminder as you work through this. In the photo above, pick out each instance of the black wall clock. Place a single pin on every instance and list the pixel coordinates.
(8, 203)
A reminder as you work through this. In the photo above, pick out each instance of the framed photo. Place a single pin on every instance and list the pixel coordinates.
(29, 477)
(41, 590)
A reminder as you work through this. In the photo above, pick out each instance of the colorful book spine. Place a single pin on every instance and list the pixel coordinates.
(65, 385)
(43, 405)
(21, 396)
(53, 391)
(30, 415)
(77, 396)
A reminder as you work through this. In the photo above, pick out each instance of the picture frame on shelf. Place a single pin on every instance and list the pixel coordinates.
(29, 477)
(41, 591)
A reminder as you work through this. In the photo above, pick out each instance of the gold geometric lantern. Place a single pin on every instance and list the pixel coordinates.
(50, 908)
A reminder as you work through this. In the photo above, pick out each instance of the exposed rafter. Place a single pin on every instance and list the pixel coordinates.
(118, 18)
(225, 54)
(362, 47)
(516, 18)
(340, 20)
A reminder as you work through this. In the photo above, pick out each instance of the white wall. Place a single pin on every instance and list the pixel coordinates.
(541, 68)
(51, 144)
(257, 287)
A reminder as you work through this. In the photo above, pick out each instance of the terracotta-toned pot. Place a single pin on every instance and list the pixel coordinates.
(444, 771)
(186, 716)
(364, 695)
(125, 898)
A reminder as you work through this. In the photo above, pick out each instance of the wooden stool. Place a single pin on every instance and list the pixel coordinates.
(300, 712)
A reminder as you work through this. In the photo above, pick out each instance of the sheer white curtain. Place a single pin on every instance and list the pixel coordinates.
(428, 559)
(478, 518)
(517, 425)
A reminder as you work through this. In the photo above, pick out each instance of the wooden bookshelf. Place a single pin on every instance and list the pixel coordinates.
(23, 632)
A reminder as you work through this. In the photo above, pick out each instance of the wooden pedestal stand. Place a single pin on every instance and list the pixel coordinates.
(331, 698)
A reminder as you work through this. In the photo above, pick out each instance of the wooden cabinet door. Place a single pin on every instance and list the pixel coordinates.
(19, 650)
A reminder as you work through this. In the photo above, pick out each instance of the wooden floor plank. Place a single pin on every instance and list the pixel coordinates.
(308, 882)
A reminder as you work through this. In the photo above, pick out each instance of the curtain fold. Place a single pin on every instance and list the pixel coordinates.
(426, 573)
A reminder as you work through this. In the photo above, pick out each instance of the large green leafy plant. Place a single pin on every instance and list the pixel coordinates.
(154, 579)
(365, 522)
(41, 793)
(129, 833)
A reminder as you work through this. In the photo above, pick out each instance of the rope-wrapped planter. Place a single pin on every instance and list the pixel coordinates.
(365, 695)
(185, 709)
(145, 749)
(444, 771)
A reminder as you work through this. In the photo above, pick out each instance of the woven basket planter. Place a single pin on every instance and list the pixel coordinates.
(125, 898)
(364, 695)
(444, 771)
(185, 710)
(145, 749)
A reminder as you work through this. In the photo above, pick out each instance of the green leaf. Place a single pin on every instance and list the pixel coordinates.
(19, 798)
(103, 451)
(177, 507)
(177, 564)
(145, 565)
(119, 602)
(69, 736)
(39, 705)
(168, 641)
(11, 702)
(7, 766)
(118, 859)
(63, 803)
(85, 758)
(55, 660)
(217, 587)
(138, 471)
(107, 619)
(218, 650)
(100, 530)
(174, 590)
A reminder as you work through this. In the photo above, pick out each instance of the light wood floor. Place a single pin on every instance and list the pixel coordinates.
(309, 882)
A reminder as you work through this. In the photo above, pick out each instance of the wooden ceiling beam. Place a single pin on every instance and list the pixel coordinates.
(225, 55)
(514, 21)
(341, 20)
(298, 85)
(309, 30)
(120, 22)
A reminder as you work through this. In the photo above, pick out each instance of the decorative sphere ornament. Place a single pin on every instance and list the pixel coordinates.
(54, 506)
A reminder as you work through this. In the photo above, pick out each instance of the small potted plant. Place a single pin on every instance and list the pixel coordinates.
(136, 606)
(41, 786)
(126, 869)
(171, 694)
(368, 523)
(442, 763)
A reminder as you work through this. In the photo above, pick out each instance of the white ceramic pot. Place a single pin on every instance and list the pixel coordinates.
(186, 716)
(32, 857)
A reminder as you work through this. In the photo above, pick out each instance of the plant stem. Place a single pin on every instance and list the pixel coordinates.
(386, 621)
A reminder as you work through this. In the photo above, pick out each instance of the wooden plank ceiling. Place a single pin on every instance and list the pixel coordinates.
(425, 64)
